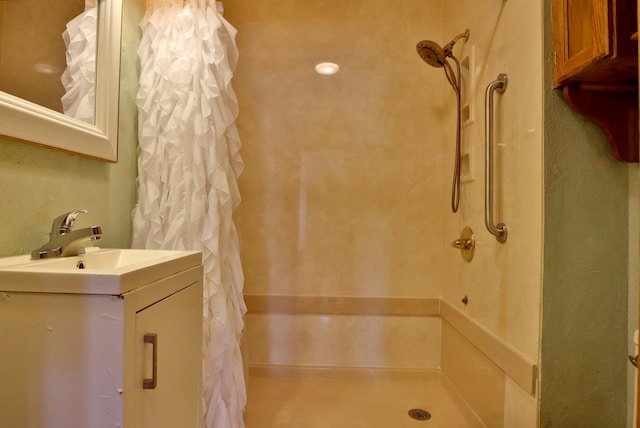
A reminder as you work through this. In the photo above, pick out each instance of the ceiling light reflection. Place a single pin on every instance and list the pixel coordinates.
(327, 68)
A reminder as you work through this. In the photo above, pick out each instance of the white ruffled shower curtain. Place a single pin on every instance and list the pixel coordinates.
(79, 78)
(188, 165)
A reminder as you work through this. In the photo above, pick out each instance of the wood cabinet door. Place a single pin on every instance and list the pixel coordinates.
(580, 35)
(176, 322)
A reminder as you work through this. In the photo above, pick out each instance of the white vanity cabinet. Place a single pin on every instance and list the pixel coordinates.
(80, 360)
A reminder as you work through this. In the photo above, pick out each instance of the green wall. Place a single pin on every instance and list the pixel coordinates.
(585, 284)
(37, 184)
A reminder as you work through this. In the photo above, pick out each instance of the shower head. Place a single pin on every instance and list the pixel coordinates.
(434, 55)
(431, 53)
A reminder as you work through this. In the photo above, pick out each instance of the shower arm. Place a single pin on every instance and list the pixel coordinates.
(500, 230)
(448, 48)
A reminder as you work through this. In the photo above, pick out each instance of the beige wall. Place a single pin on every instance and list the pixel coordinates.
(341, 190)
(39, 184)
(503, 282)
(347, 185)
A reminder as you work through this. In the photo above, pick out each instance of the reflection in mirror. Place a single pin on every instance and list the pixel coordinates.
(59, 76)
(52, 63)
(80, 39)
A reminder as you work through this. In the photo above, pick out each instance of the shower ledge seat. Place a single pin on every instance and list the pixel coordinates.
(512, 362)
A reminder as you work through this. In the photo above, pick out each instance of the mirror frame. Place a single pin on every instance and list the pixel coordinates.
(28, 122)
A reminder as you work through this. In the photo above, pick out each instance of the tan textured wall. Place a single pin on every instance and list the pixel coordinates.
(341, 191)
(503, 282)
(39, 184)
(346, 186)
(346, 190)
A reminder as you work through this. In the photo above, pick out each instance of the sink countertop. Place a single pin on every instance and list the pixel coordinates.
(106, 271)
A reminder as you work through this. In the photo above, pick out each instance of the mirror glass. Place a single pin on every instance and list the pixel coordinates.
(53, 63)
(59, 76)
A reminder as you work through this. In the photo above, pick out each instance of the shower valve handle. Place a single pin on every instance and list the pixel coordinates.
(462, 244)
(466, 244)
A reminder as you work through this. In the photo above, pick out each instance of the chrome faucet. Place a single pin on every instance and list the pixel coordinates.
(63, 240)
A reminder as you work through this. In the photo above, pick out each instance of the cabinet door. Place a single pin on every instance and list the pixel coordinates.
(580, 35)
(60, 361)
(176, 322)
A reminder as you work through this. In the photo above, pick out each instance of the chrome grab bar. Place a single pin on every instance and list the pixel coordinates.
(499, 231)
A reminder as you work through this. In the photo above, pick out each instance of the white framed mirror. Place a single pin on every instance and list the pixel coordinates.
(31, 123)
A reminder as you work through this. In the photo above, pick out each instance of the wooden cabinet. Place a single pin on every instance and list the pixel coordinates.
(80, 360)
(596, 65)
(592, 42)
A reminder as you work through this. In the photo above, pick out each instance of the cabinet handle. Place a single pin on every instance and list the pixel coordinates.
(152, 338)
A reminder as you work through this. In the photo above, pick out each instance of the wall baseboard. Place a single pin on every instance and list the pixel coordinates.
(334, 372)
(343, 305)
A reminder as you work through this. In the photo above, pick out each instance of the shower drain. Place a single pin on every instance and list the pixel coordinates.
(419, 414)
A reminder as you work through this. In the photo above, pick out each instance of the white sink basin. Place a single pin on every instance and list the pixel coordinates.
(15, 260)
(106, 260)
(104, 271)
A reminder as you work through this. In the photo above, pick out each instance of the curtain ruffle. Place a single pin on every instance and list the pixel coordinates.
(188, 165)
(79, 77)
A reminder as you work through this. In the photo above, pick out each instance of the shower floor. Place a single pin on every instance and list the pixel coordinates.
(346, 400)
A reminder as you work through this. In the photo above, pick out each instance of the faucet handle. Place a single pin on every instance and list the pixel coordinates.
(64, 223)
